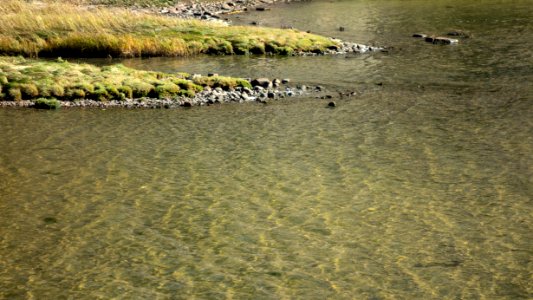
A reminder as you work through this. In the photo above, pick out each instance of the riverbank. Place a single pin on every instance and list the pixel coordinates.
(51, 84)
(52, 30)
(206, 97)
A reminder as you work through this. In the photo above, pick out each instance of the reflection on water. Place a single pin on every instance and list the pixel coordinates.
(417, 189)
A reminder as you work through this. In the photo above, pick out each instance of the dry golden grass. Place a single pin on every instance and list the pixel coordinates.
(59, 29)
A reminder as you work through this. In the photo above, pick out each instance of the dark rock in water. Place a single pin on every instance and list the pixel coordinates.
(50, 220)
(319, 88)
(458, 33)
(285, 80)
(188, 104)
(444, 41)
(419, 35)
(332, 104)
(262, 82)
(271, 95)
(342, 28)
(260, 8)
(329, 96)
(212, 74)
(254, 23)
(429, 39)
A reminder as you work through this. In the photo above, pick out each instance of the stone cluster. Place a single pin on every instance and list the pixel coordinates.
(215, 10)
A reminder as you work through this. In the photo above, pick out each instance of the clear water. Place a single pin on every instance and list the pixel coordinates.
(420, 188)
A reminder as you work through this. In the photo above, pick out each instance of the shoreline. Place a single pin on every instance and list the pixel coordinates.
(207, 97)
(16, 94)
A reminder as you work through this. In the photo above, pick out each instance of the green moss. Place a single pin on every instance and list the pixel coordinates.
(166, 90)
(186, 93)
(42, 103)
(243, 83)
(257, 49)
(113, 92)
(126, 91)
(68, 81)
(141, 89)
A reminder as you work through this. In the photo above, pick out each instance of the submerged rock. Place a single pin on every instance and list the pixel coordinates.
(444, 40)
(419, 35)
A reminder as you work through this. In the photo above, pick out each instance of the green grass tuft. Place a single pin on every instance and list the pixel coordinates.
(43, 103)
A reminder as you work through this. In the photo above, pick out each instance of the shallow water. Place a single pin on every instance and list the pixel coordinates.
(420, 188)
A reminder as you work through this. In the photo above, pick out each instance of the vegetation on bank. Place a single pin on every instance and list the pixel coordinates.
(59, 29)
(47, 81)
(129, 3)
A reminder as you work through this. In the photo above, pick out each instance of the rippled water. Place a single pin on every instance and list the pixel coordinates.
(420, 188)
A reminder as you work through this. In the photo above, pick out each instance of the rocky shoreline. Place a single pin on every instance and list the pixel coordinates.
(263, 91)
(215, 11)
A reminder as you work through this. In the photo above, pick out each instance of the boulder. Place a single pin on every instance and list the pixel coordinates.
(262, 82)
(419, 35)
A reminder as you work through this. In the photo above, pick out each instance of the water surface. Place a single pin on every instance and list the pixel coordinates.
(419, 188)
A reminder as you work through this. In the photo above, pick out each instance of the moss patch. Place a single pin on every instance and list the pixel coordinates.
(28, 79)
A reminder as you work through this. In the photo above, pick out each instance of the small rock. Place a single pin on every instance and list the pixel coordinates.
(332, 104)
(276, 82)
(285, 80)
(459, 33)
(419, 35)
(429, 39)
(271, 95)
(212, 74)
(445, 41)
(260, 8)
(342, 28)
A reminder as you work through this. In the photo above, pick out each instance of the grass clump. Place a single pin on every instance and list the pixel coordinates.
(43, 103)
(59, 29)
(28, 79)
